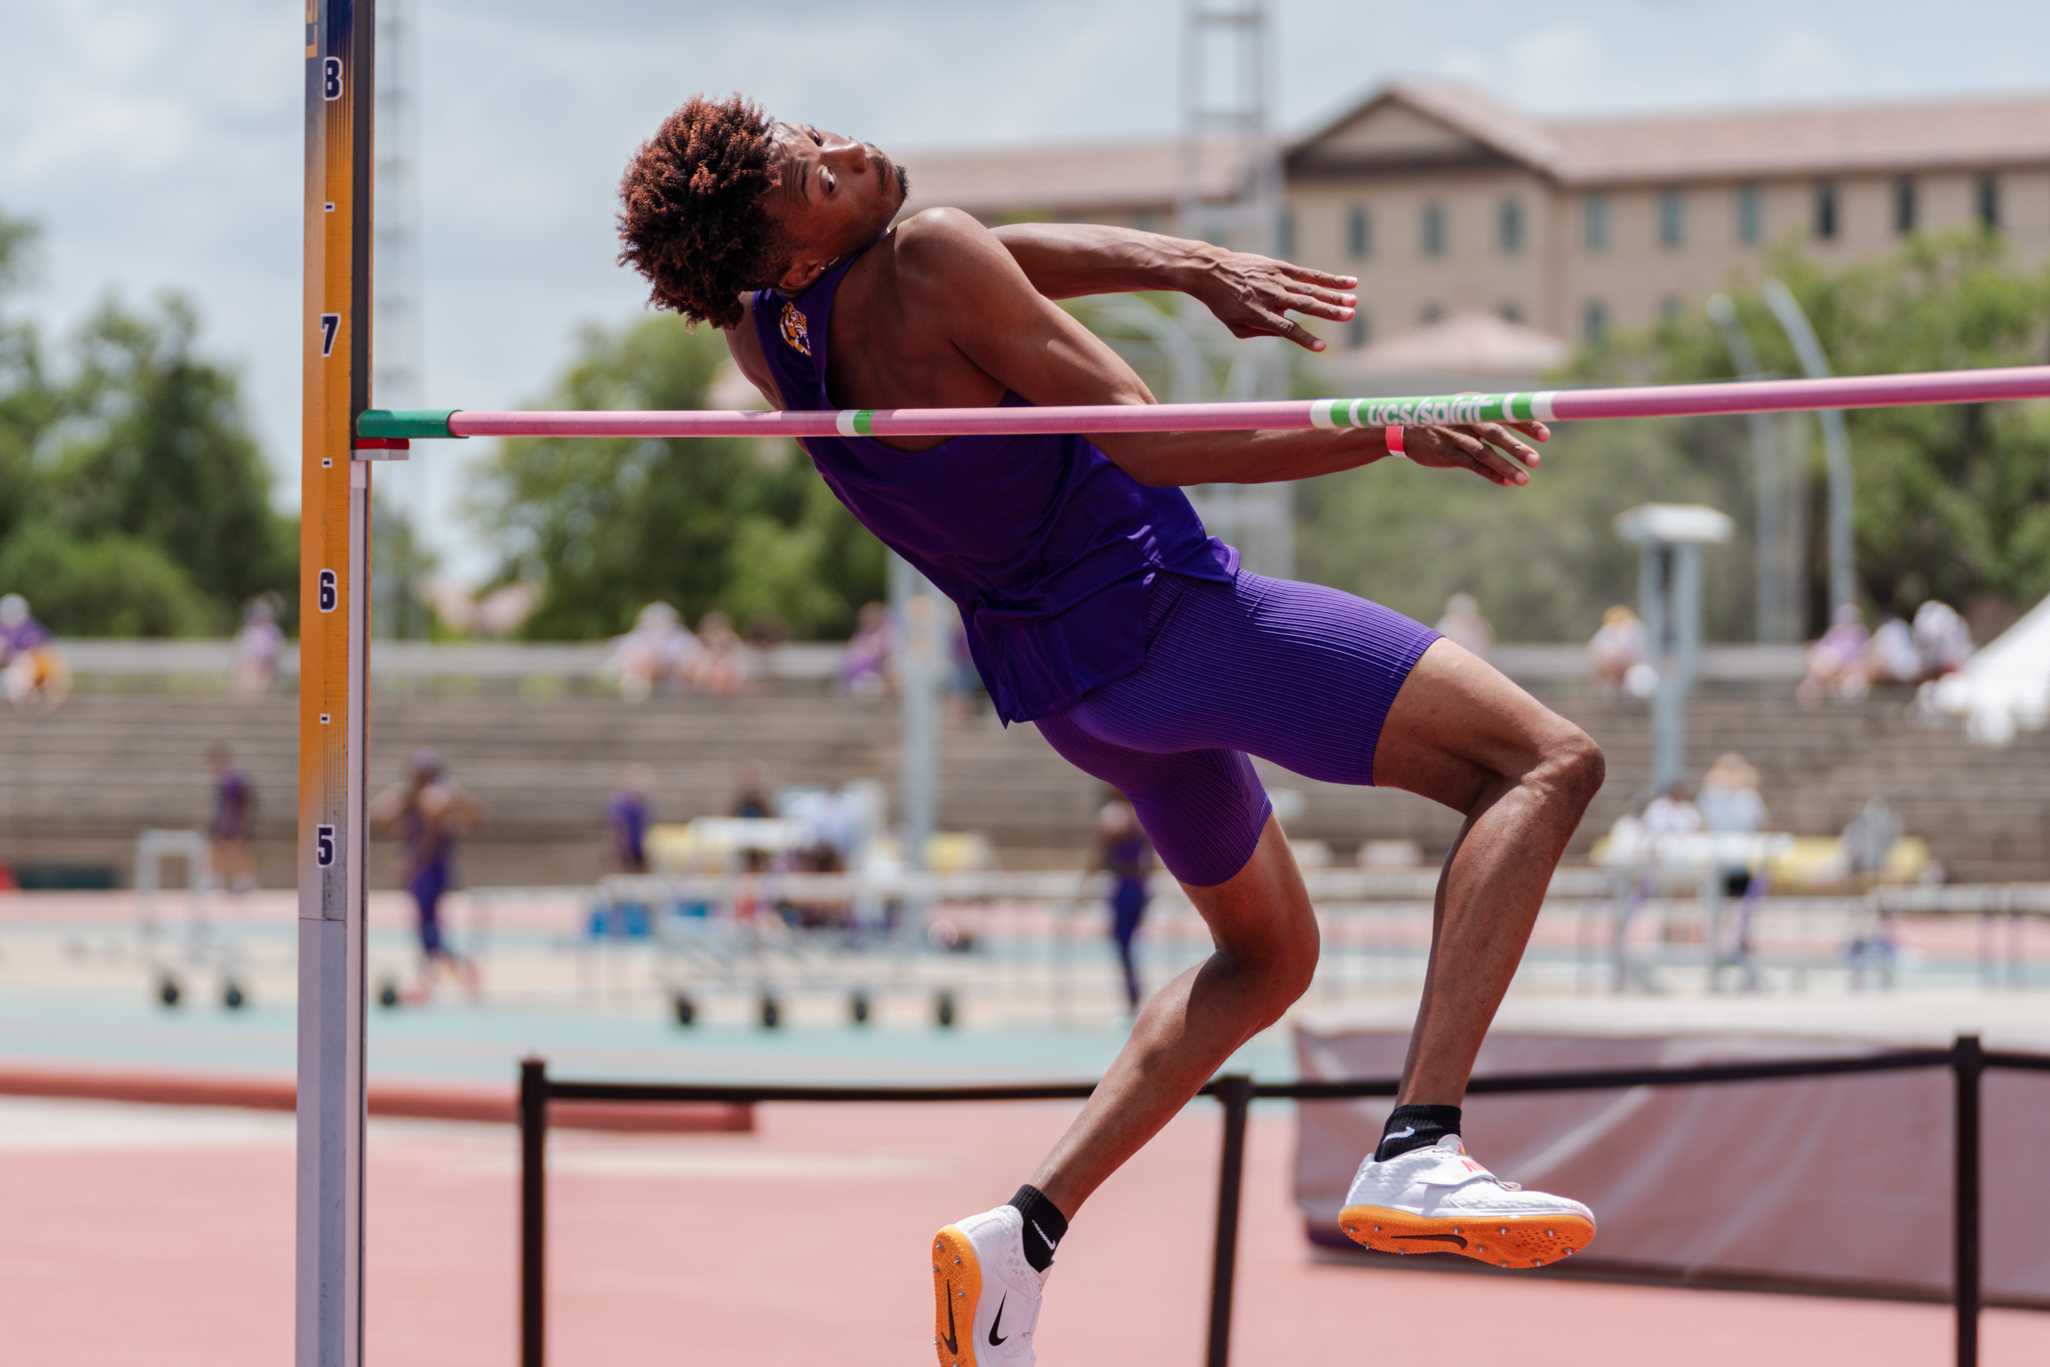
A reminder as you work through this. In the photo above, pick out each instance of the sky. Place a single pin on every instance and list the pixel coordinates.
(158, 147)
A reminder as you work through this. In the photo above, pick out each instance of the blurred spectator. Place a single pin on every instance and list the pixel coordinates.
(1866, 844)
(751, 797)
(1464, 625)
(1123, 852)
(1730, 804)
(628, 817)
(257, 647)
(233, 867)
(719, 665)
(1891, 657)
(431, 813)
(1942, 639)
(658, 651)
(1672, 813)
(1618, 648)
(866, 666)
(1836, 659)
(31, 671)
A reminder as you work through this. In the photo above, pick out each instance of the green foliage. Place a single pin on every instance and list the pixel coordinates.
(607, 526)
(132, 457)
(1949, 502)
(103, 586)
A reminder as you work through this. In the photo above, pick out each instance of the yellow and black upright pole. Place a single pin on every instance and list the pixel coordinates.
(334, 660)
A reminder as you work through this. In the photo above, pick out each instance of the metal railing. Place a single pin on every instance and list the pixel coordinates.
(1966, 1059)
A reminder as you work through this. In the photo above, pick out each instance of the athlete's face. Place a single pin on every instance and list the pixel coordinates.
(835, 196)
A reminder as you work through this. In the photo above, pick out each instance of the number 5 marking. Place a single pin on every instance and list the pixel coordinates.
(324, 845)
(330, 328)
(331, 78)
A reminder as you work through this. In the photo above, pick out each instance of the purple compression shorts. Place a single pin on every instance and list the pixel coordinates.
(1298, 674)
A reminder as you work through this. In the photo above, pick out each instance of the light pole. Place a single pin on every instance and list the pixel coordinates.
(1777, 607)
(1843, 581)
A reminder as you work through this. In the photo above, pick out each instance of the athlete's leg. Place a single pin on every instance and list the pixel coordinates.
(1266, 949)
(1463, 735)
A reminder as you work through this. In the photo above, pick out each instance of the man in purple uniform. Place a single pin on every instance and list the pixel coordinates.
(1099, 609)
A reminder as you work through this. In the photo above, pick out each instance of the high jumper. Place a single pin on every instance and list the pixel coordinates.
(1098, 608)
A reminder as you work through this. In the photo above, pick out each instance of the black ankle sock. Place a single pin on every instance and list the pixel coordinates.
(1415, 1127)
(1045, 1226)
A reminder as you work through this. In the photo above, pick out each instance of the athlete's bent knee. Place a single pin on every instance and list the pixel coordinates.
(1282, 965)
(1574, 767)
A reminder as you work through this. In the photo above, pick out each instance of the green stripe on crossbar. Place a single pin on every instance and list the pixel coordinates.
(864, 421)
(405, 422)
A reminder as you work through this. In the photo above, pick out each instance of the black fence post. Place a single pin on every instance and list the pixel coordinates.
(533, 1195)
(1970, 1067)
(1236, 1094)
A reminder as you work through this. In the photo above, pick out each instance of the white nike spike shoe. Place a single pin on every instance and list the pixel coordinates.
(985, 1295)
(1438, 1200)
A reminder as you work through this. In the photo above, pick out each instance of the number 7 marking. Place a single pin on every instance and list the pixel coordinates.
(330, 326)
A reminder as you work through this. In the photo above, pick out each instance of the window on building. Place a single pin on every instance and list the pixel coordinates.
(1670, 309)
(1989, 202)
(1284, 233)
(1359, 331)
(1905, 208)
(1511, 312)
(1431, 314)
(1825, 209)
(1750, 215)
(1672, 218)
(1510, 226)
(1359, 232)
(1594, 223)
(1434, 229)
(1594, 322)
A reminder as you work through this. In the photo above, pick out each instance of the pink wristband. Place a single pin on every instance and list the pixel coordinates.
(1393, 436)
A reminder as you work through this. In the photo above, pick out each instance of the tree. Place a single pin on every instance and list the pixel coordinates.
(1951, 502)
(131, 458)
(155, 446)
(104, 586)
(607, 526)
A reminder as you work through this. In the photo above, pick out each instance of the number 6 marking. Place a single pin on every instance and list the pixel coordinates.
(324, 845)
(326, 590)
(330, 328)
(331, 78)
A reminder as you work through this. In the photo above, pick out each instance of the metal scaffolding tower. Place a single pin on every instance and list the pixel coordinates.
(1228, 125)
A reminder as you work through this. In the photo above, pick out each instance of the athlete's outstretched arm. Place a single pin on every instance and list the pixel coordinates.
(958, 271)
(1250, 294)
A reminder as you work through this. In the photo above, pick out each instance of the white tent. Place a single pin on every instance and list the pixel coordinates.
(2006, 686)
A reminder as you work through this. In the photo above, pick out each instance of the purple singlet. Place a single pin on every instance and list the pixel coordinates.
(1044, 544)
(1098, 608)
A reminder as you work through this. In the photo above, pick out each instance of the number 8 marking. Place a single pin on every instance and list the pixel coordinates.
(331, 78)
(330, 327)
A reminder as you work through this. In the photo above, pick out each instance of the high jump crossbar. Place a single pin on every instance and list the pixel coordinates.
(1548, 405)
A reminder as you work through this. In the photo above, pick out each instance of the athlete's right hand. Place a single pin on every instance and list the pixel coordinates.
(1492, 450)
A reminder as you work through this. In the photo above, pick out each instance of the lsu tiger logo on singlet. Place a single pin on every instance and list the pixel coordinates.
(796, 330)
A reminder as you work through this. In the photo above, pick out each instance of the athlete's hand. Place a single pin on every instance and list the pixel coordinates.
(1492, 450)
(1253, 296)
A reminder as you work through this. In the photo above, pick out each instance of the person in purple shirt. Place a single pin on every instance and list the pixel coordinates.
(431, 813)
(227, 832)
(1098, 608)
(627, 816)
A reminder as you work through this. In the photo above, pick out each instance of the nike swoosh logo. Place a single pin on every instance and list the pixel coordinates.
(1399, 1134)
(1046, 1238)
(1445, 1238)
(953, 1344)
(994, 1341)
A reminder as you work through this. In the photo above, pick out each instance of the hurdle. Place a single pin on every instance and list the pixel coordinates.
(343, 436)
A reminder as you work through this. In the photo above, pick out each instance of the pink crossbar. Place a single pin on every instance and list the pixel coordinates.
(1655, 401)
